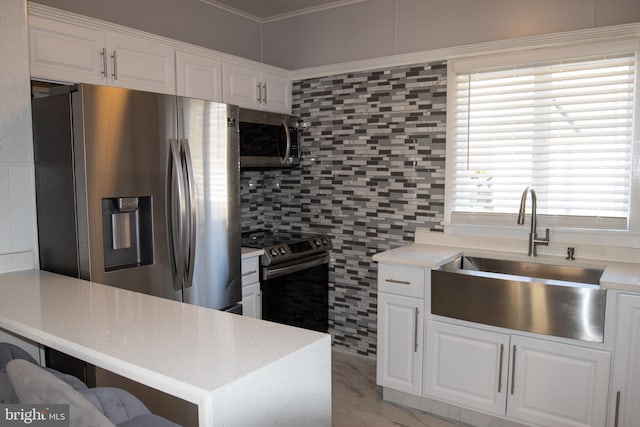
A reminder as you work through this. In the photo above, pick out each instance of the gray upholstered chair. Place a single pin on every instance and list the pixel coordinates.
(95, 407)
(9, 352)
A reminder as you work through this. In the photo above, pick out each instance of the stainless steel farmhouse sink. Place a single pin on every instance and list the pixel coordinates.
(558, 300)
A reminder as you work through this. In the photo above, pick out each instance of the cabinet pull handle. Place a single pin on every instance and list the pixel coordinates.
(259, 86)
(400, 282)
(115, 65)
(264, 86)
(249, 273)
(513, 370)
(103, 55)
(615, 420)
(500, 368)
(415, 332)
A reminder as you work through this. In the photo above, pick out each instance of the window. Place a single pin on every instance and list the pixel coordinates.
(558, 121)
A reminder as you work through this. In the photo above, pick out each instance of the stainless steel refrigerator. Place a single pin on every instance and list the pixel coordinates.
(141, 191)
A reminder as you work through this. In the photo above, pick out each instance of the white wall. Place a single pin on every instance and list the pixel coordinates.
(190, 21)
(17, 191)
(376, 28)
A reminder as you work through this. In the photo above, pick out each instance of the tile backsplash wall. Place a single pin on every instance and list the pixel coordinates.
(372, 172)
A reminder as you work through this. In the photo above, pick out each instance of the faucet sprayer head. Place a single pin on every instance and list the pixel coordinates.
(523, 203)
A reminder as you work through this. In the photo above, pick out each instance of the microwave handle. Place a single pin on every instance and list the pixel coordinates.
(288, 135)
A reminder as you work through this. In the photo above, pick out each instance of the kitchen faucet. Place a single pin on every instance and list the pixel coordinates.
(534, 240)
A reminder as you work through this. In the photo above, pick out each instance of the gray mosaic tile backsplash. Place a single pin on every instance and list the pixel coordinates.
(372, 172)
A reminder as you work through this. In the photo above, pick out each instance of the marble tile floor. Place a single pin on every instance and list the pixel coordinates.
(357, 401)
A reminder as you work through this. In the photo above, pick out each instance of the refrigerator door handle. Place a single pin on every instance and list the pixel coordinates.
(190, 214)
(176, 219)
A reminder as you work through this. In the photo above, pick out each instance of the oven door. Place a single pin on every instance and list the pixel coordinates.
(297, 293)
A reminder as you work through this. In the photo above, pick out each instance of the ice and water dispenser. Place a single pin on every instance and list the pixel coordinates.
(127, 232)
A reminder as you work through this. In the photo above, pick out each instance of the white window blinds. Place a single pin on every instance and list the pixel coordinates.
(563, 127)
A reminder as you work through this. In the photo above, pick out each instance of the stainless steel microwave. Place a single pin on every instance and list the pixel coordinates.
(268, 140)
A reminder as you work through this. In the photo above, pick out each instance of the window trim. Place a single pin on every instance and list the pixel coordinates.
(504, 223)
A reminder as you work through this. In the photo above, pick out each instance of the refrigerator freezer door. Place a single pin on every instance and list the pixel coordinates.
(208, 135)
(124, 154)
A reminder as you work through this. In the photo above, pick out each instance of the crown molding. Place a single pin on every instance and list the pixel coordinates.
(233, 10)
(501, 46)
(280, 17)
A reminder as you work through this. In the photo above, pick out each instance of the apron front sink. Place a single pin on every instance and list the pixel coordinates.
(549, 299)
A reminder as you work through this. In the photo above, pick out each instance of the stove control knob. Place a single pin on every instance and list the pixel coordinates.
(283, 250)
(274, 252)
(318, 242)
(325, 241)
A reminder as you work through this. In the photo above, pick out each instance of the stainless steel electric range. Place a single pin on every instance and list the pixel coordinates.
(294, 277)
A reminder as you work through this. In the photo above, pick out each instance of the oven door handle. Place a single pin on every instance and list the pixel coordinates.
(271, 272)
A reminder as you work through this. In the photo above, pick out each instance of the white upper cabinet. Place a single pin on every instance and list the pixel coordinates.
(242, 86)
(255, 89)
(198, 76)
(140, 64)
(77, 54)
(73, 49)
(66, 53)
(276, 93)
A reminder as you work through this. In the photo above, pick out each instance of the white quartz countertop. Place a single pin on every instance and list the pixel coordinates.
(181, 349)
(250, 252)
(616, 276)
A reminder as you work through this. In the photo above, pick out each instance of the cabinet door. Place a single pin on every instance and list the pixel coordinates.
(66, 53)
(198, 76)
(399, 361)
(141, 64)
(276, 93)
(466, 366)
(241, 86)
(251, 301)
(249, 270)
(625, 388)
(556, 384)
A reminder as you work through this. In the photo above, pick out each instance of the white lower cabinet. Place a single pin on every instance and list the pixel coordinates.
(467, 366)
(555, 384)
(531, 380)
(625, 390)
(399, 360)
(251, 293)
(252, 301)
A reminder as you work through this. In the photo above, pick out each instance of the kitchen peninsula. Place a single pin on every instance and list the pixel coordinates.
(239, 371)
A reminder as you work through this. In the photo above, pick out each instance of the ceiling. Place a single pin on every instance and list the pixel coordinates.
(273, 10)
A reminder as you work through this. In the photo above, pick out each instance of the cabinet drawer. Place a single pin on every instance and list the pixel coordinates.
(250, 271)
(401, 280)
